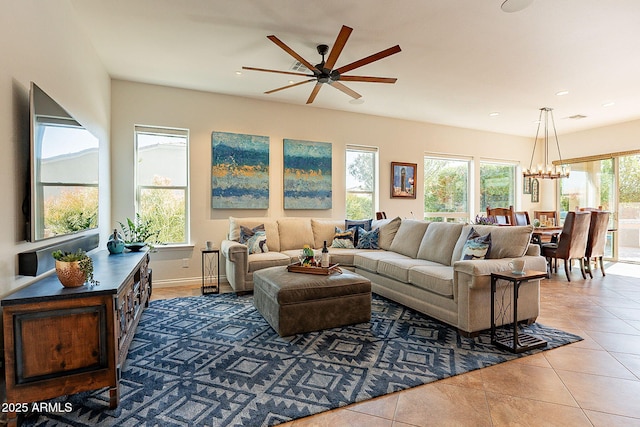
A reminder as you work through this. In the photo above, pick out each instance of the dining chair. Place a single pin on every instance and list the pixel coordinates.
(597, 239)
(501, 216)
(381, 215)
(571, 245)
(521, 218)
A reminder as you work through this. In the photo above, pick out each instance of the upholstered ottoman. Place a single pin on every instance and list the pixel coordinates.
(293, 303)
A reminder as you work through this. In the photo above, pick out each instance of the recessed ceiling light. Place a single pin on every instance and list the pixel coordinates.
(578, 117)
(238, 73)
(291, 82)
(494, 113)
(356, 101)
(562, 93)
(608, 104)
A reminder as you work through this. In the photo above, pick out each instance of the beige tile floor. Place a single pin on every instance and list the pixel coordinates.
(595, 382)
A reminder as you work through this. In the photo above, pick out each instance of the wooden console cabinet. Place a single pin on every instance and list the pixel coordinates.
(60, 341)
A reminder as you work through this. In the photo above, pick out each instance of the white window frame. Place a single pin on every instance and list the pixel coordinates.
(456, 216)
(166, 131)
(375, 187)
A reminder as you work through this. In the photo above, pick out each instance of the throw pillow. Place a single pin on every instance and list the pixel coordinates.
(257, 243)
(368, 239)
(343, 239)
(476, 246)
(355, 224)
(246, 233)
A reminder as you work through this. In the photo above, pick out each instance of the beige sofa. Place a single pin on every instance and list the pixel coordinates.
(418, 263)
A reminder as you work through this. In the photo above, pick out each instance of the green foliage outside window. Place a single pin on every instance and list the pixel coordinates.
(71, 211)
(445, 185)
(165, 209)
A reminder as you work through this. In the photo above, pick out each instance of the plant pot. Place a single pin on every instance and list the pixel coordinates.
(69, 274)
(135, 246)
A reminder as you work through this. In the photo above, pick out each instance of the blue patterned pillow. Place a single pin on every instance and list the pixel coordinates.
(246, 233)
(368, 239)
(355, 224)
(476, 246)
(343, 239)
(257, 243)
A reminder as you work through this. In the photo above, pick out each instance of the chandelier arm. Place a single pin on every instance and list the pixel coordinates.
(535, 142)
(553, 123)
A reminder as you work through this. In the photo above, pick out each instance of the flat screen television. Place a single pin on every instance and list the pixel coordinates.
(64, 188)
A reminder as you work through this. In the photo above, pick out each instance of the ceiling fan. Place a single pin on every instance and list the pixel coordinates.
(324, 71)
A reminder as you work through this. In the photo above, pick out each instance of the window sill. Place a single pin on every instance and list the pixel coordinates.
(173, 247)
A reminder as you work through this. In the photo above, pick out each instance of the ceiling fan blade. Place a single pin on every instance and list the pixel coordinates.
(291, 85)
(369, 59)
(341, 40)
(343, 88)
(291, 52)
(314, 92)
(293, 73)
(368, 79)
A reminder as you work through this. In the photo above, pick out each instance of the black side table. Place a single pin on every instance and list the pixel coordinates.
(210, 271)
(513, 341)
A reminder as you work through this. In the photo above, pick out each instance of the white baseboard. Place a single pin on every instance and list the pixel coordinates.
(170, 283)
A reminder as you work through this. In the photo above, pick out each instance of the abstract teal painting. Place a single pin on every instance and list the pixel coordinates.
(239, 171)
(307, 174)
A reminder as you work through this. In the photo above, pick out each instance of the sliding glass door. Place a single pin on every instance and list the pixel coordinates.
(612, 184)
(591, 184)
(629, 209)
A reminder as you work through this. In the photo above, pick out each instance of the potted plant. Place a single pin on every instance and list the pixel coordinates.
(138, 233)
(74, 269)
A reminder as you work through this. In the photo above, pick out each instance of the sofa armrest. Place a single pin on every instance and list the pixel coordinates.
(484, 267)
(533, 250)
(234, 251)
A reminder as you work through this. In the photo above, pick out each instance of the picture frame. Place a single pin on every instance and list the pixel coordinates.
(535, 190)
(526, 185)
(403, 180)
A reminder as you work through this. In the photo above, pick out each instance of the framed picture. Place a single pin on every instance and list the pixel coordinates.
(535, 190)
(307, 174)
(403, 180)
(526, 185)
(239, 171)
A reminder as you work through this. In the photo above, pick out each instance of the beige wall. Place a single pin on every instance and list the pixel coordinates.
(40, 41)
(202, 113)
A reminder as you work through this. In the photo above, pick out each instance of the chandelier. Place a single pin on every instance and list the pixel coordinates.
(546, 170)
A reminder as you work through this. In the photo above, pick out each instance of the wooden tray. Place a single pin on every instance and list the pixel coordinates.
(325, 271)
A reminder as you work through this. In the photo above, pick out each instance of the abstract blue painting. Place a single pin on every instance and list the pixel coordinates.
(307, 174)
(239, 171)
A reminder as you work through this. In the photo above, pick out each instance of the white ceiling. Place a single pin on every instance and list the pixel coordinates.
(460, 59)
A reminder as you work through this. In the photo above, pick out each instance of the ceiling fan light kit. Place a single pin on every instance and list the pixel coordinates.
(324, 72)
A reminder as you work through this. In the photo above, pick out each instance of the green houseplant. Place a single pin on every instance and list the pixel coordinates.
(138, 233)
(74, 268)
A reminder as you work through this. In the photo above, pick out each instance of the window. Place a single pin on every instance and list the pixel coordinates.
(361, 181)
(162, 181)
(446, 189)
(497, 185)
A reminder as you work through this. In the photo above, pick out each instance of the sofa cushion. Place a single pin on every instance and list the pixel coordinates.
(506, 241)
(398, 268)
(388, 229)
(368, 239)
(323, 230)
(407, 239)
(265, 260)
(270, 227)
(439, 241)
(436, 278)
(295, 233)
(369, 260)
(343, 239)
(476, 246)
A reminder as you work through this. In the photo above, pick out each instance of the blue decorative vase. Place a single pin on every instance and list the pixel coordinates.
(115, 245)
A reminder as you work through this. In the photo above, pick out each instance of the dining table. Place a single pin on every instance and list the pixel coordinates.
(546, 231)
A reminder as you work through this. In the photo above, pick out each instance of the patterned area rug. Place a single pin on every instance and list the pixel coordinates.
(214, 361)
